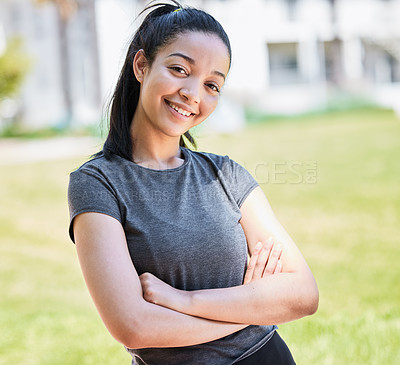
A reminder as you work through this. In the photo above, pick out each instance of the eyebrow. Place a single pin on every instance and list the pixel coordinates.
(193, 62)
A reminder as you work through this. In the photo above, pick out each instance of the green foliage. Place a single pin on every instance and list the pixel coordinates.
(14, 65)
(16, 130)
(345, 222)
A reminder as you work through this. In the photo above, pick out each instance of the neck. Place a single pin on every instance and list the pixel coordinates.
(155, 151)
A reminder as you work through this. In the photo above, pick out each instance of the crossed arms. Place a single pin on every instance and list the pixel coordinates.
(278, 286)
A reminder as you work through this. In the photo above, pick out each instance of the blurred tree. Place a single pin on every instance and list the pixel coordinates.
(334, 56)
(66, 10)
(333, 10)
(14, 64)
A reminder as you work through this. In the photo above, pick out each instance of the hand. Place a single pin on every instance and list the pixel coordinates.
(158, 292)
(264, 261)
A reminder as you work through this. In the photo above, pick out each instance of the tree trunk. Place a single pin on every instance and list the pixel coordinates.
(65, 68)
(94, 51)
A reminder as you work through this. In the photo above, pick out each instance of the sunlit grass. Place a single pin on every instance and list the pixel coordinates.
(334, 183)
(347, 224)
(46, 316)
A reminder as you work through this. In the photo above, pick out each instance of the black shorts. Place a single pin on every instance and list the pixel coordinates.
(274, 352)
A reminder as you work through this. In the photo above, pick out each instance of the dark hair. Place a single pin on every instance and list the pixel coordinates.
(161, 26)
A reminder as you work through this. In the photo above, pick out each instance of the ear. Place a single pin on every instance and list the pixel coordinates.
(139, 65)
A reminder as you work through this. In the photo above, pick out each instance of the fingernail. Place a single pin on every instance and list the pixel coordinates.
(270, 241)
(258, 245)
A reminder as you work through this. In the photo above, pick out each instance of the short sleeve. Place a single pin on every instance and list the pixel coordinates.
(242, 183)
(89, 191)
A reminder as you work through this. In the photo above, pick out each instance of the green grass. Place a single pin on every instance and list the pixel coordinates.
(46, 314)
(334, 183)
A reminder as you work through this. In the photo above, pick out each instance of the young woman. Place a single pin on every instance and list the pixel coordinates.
(163, 233)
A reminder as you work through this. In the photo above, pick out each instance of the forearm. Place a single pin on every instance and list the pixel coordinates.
(117, 293)
(156, 326)
(271, 300)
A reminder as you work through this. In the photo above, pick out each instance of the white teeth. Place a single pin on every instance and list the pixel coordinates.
(180, 110)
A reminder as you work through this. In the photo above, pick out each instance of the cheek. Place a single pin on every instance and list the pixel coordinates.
(210, 103)
(154, 88)
(157, 85)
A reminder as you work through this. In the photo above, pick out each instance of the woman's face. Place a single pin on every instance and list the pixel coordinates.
(181, 87)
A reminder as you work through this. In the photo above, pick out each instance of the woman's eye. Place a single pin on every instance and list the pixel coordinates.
(179, 70)
(214, 87)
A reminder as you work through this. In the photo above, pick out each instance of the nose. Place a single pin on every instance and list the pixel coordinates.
(191, 92)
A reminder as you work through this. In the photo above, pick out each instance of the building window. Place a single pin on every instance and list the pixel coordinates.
(394, 68)
(381, 62)
(283, 64)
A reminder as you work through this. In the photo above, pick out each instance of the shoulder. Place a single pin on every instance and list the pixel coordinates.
(233, 176)
(222, 163)
(219, 161)
(98, 172)
(95, 162)
(99, 165)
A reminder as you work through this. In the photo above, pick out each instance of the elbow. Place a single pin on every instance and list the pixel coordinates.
(309, 300)
(304, 300)
(131, 331)
(137, 332)
(131, 336)
(124, 332)
(313, 302)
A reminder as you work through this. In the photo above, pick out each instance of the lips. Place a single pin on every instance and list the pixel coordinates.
(179, 110)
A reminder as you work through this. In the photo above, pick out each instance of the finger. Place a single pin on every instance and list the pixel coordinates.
(273, 259)
(252, 263)
(263, 259)
(278, 268)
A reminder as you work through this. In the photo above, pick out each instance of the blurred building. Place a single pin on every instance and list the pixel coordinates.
(292, 56)
(289, 56)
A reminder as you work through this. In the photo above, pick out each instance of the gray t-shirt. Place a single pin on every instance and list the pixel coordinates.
(182, 225)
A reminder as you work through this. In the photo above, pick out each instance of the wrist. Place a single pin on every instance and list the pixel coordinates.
(185, 301)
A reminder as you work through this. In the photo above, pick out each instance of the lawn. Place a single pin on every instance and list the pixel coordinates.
(334, 182)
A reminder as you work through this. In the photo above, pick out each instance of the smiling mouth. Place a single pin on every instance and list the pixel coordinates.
(181, 111)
